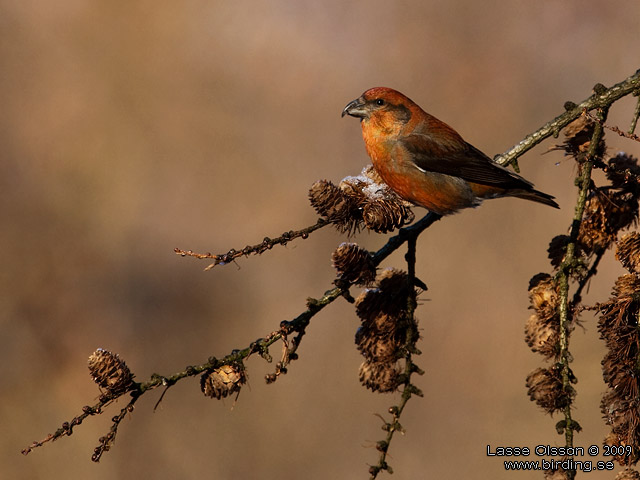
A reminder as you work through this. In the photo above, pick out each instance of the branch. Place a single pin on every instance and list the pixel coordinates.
(266, 244)
(410, 367)
(261, 346)
(565, 270)
(636, 114)
(352, 212)
(603, 97)
(614, 129)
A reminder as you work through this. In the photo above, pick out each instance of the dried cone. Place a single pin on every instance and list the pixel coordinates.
(382, 209)
(620, 414)
(354, 264)
(542, 330)
(394, 282)
(622, 458)
(384, 215)
(381, 324)
(618, 327)
(628, 474)
(623, 210)
(386, 329)
(110, 372)
(594, 233)
(605, 214)
(542, 337)
(628, 252)
(223, 381)
(361, 200)
(380, 376)
(537, 279)
(578, 138)
(378, 347)
(623, 171)
(619, 370)
(543, 295)
(545, 388)
(626, 287)
(369, 304)
(618, 323)
(390, 298)
(557, 249)
(328, 200)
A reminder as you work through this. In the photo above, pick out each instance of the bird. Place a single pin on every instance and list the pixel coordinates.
(428, 163)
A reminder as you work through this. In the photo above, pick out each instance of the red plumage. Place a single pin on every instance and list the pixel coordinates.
(427, 162)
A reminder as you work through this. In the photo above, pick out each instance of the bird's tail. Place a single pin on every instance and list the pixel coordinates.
(535, 196)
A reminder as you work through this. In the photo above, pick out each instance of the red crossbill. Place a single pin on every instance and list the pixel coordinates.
(427, 162)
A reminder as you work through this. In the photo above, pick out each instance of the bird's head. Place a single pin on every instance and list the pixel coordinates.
(382, 105)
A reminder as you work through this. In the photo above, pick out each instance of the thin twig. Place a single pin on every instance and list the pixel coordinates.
(107, 441)
(410, 368)
(636, 114)
(266, 244)
(67, 427)
(614, 129)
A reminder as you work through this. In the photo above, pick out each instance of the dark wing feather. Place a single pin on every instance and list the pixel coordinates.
(468, 162)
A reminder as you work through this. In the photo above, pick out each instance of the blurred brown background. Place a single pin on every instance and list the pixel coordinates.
(131, 128)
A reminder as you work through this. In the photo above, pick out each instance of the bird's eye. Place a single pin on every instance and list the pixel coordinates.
(380, 102)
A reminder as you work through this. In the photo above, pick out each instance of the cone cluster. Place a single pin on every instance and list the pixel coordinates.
(542, 330)
(608, 210)
(385, 330)
(542, 334)
(611, 208)
(606, 213)
(361, 201)
(619, 328)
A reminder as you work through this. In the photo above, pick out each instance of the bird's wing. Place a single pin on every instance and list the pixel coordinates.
(460, 160)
